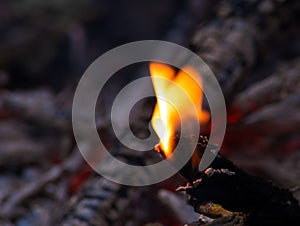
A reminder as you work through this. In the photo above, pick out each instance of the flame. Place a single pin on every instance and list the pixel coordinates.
(169, 121)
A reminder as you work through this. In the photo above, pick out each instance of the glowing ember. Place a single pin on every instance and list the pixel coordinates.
(169, 121)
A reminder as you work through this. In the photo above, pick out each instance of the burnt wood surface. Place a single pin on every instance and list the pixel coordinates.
(240, 37)
(262, 202)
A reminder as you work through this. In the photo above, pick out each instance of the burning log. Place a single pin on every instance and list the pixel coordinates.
(245, 198)
(258, 202)
(235, 190)
(248, 199)
(230, 45)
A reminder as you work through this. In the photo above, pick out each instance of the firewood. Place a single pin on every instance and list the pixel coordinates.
(235, 190)
(38, 106)
(34, 187)
(103, 202)
(285, 81)
(241, 33)
(27, 149)
(94, 204)
(268, 165)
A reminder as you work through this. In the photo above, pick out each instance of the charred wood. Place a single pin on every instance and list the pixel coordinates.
(241, 33)
(225, 184)
(285, 81)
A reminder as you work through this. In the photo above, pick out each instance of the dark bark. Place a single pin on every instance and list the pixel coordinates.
(241, 35)
(235, 190)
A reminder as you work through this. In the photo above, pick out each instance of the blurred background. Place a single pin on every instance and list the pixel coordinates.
(47, 44)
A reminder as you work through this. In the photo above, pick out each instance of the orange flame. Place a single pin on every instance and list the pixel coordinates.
(166, 127)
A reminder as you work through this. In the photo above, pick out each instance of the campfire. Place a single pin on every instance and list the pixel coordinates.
(251, 47)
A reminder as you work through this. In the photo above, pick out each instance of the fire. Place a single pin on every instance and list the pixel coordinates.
(165, 118)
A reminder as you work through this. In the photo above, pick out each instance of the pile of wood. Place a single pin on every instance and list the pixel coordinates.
(252, 47)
